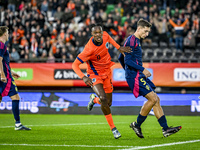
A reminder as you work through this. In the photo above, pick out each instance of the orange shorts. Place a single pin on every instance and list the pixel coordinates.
(103, 79)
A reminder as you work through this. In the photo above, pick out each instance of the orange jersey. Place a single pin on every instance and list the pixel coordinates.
(97, 57)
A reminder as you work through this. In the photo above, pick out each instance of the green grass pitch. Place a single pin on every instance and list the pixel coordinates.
(91, 132)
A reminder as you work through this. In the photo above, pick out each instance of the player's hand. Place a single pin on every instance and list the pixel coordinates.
(3, 79)
(125, 49)
(87, 81)
(15, 75)
(146, 73)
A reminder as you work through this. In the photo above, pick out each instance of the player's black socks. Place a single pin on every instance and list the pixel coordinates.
(15, 110)
(163, 122)
(140, 120)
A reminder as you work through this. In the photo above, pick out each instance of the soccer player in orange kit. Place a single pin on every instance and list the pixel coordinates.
(98, 60)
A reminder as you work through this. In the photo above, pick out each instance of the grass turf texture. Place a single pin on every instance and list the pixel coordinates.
(80, 132)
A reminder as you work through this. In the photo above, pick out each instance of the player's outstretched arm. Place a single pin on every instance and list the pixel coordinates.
(15, 75)
(125, 50)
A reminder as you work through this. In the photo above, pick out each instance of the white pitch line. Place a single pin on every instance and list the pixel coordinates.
(107, 146)
(48, 145)
(72, 124)
(161, 145)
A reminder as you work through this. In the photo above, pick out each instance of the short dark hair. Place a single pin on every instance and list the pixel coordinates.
(3, 29)
(143, 23)
(95, 25)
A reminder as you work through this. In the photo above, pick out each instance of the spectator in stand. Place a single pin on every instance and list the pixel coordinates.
(179, 27)
(58, 14)
(23, 41)
(45, 31)
(83, 12)
(117, 17)
(57, 54)
(74, 26)
(14, 55)
(67, 15)
(102, 5)
(162, 28)
(95, 7)
(103, 15)
(22, 54)
(44, 6)
(189, 40)
(71, 6)
(11, 5)
(44, 55)
(21, 6)
(34, 46)
(15, 43)
(16, 34)
(47, 46)
(54, 7)
(51, 58)
(20, 31)
(98, 18)
(108, 27)
(26, 58)
(119, 9)
(33, 57)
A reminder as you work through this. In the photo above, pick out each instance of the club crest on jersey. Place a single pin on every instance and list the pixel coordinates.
(147, 87)
(107, 45)
(94, 80)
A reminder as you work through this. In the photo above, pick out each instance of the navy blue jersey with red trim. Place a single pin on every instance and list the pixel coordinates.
(4, 53)
(9, 88)
(132, 64)
(132, 60)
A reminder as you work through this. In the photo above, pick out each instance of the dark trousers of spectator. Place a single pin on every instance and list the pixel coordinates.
(179, 43)
(11, 7)
(163, 37)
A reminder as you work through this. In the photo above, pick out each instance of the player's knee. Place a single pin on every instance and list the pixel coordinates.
(158, 99)
(0, 98)
(154, 100)
(103, 100)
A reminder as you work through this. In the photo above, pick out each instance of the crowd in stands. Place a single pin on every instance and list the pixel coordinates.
(57, 30)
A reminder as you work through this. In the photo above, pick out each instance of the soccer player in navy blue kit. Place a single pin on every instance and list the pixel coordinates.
(7, 84)
(137, 79)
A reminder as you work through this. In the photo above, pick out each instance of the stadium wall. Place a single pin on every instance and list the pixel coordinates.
(123, 103)
(61, 74)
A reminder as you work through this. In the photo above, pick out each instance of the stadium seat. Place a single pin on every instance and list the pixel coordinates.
(178, 54)
(159, 53)
(174, 59)
(172, 12)
(168, 53)
(188, 54)
(162, 12)
(194, 60)
(110, 8)
(183, 59)
(197, 54)
(165, 59)
(123, 19)
(149, 53)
